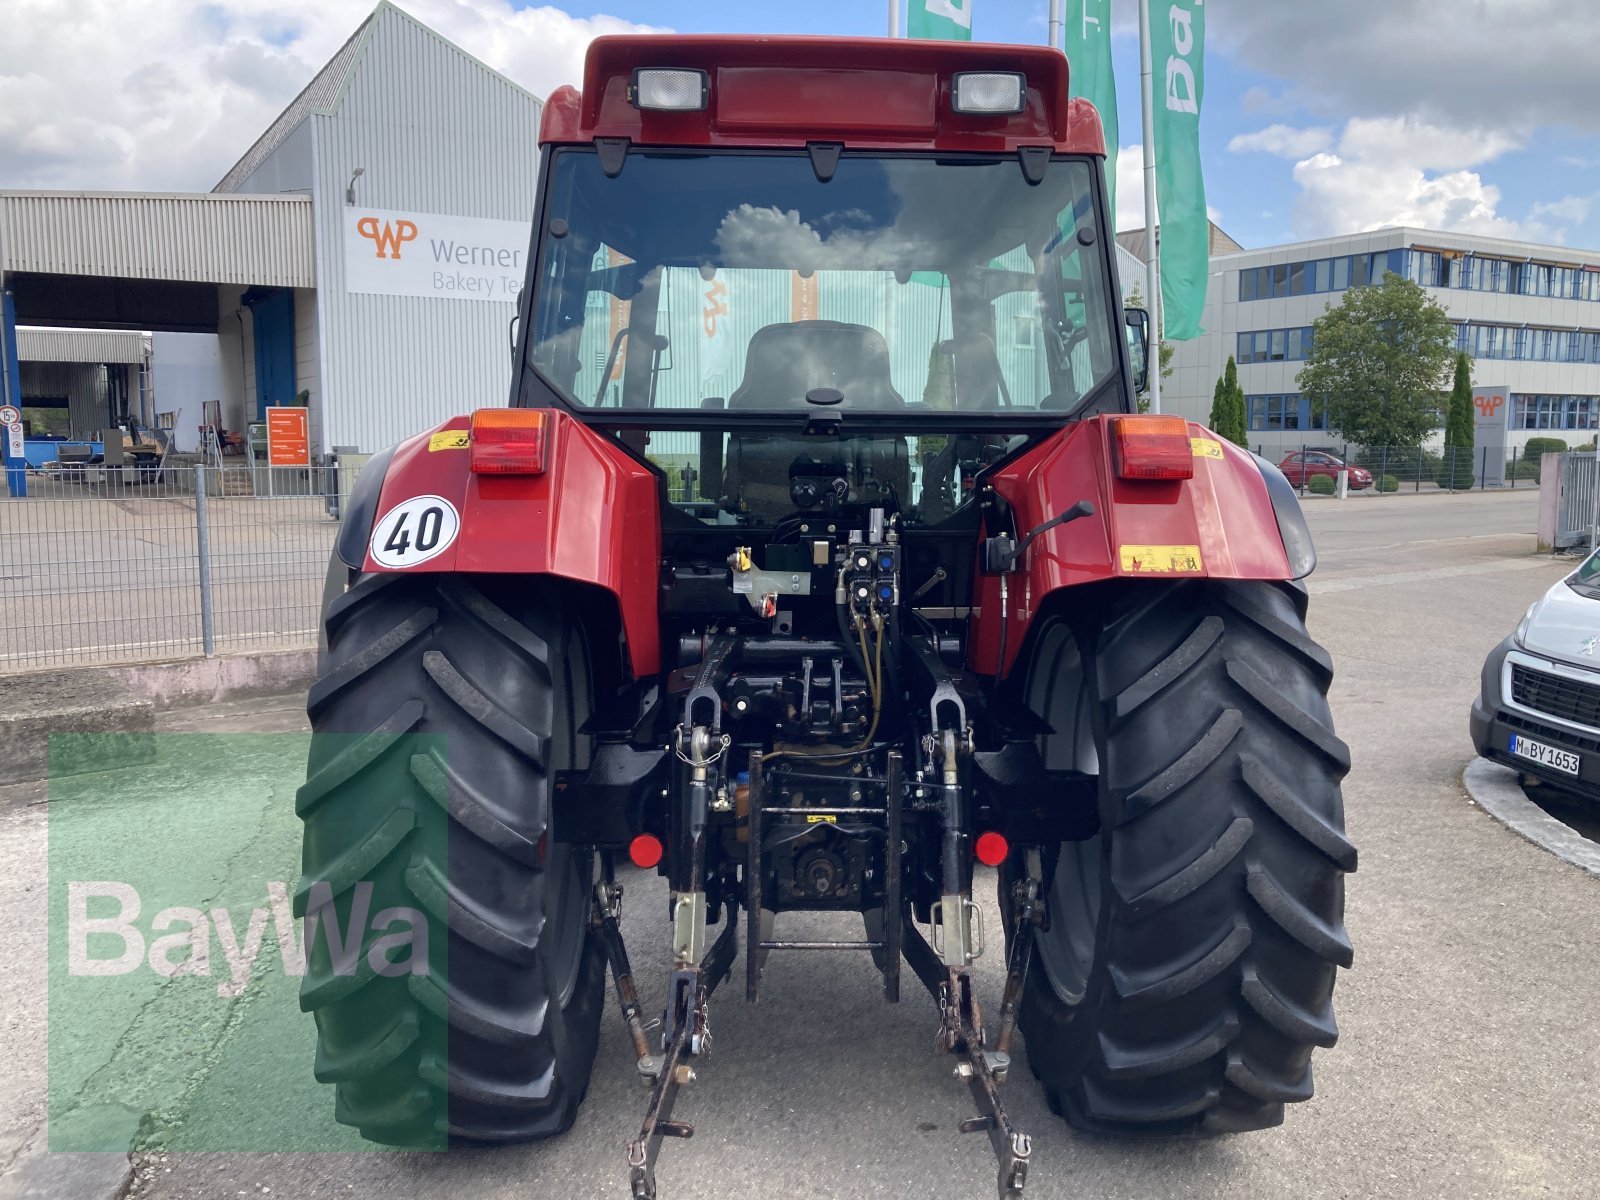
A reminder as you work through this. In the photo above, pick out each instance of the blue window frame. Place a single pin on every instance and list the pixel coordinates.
(1285, 411)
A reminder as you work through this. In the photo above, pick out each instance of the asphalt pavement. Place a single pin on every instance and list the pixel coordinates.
(1468, 1063)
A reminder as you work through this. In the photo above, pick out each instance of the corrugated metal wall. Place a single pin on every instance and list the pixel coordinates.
(79, 346)
(84, 386)
(436, 132)
(204, 238)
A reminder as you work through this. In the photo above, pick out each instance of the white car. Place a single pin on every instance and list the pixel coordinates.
(1539, 709)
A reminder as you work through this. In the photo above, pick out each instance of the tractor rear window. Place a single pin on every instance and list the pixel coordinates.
(740, 282)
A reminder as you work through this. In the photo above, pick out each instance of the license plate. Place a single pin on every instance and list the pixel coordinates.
(1561, 760)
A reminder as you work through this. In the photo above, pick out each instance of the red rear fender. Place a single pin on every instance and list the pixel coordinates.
(1220, 524)
(592, 516)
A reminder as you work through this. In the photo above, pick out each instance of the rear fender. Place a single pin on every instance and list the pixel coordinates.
(593, 517)
(1225, 523)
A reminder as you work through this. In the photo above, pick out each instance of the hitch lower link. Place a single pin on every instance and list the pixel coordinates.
(945, 972)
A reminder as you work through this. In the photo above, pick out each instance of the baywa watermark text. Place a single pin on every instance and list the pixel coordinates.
(178, 940)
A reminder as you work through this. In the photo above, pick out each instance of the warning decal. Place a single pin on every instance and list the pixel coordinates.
(1161, 560)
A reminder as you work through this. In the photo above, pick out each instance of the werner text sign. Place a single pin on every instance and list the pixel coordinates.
(429, 254)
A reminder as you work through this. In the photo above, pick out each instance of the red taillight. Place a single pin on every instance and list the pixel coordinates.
(1151, 447)
(510, 441)
(991, 849)
(645, 850)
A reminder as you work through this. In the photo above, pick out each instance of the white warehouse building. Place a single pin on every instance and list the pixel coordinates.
(362, 259)
(1529, 316)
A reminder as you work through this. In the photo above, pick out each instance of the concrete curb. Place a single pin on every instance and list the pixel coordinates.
(67, 1175)
(224, 677)
(1496, 791)
(118, 704)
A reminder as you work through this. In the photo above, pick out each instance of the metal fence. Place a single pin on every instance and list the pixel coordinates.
(1388, 469)
(1578, 500)
(104, 566)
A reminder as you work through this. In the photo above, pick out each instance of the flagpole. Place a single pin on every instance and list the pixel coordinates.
(894, 18)
(1152, 246)
(1053, 38)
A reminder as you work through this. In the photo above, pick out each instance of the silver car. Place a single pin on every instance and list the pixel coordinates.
(1539, 708)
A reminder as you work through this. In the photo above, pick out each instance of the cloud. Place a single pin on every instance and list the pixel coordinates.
(1424, 145)
(1572, 209)
(1401, 171)
(1259, 102)
(1283, 141)
(1130, 188)
(1493, 64)
(103, 94)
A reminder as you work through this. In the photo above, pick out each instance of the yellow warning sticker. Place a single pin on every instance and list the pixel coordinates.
(1161, 560)
(450, 439)
(817, 819)
(1205, 447)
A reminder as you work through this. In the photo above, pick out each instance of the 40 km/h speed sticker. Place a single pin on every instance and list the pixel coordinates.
(414, 531)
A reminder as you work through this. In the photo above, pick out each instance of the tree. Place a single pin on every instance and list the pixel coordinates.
(1228, 417)
(1379, 362)
(1221, 402)
(1456, 473)
(1237, 430)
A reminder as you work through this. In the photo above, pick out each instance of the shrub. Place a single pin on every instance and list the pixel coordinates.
(1320, 485)
(1521, 468)
(1539, 446)
(1388, 483)
(1405, 463)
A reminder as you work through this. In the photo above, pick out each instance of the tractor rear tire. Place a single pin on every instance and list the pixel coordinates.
(1187, 970)
(494, 1039)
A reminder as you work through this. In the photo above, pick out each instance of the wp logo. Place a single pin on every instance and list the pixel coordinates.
(1488, 406)
(388, 237)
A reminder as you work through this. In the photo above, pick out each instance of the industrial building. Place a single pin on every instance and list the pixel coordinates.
(337, 265)
(1529, 316)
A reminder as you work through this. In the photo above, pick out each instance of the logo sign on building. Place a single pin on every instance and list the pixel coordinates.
(288, 438)
(433, 255)
(1489, 406)
(1491, 418)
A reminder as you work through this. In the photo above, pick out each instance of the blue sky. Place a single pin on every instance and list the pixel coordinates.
(1321, 118)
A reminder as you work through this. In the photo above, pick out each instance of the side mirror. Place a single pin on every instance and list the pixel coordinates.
(1137, 323)
(515, 318)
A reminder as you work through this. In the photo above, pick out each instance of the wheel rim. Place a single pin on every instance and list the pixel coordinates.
(1058, 690)
(566, 919)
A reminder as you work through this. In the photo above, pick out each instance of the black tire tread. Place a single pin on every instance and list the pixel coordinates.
(455, 827)
(1221, 927)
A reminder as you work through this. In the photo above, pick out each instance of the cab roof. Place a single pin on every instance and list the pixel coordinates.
(783, 92)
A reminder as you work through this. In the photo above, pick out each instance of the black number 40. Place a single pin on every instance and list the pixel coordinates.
(429, 523)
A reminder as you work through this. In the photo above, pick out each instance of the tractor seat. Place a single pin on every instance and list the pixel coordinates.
(786, 361)
(782, 364)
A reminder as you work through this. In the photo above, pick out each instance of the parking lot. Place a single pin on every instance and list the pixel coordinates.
(1468, 1063)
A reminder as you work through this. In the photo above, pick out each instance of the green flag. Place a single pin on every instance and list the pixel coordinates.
(1177, 55)
(950, 20)
(1088, 29)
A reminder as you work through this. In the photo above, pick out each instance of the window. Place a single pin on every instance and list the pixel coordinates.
(881, 249)
(1277, 413)
(1555, 412)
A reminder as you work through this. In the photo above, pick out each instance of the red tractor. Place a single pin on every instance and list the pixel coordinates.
(820, 557)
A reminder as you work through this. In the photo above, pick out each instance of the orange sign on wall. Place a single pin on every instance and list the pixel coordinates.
(288, 437)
